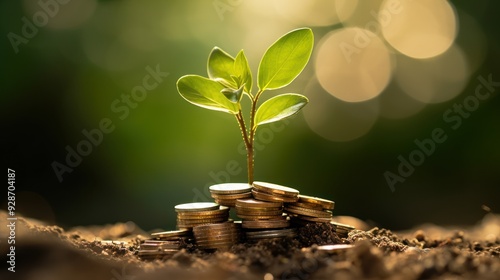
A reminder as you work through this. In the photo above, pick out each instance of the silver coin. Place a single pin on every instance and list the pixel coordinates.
(196, 206)
(230, 188)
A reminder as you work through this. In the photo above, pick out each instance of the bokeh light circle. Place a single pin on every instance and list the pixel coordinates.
(434, 80)
(353, 64)
(345, 9)
(420, 29)
(336, 120)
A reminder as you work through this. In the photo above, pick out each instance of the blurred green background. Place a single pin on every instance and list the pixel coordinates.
(68, 65)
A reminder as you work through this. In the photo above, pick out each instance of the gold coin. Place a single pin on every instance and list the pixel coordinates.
(228, 203)
(149, 245)
(308, 212)
(232, 196)
(217, 242)
(201, 221)
(272, 197)
(218, 246)
(233, 239)
(220, 226)
(205, 240)
(275, 233)
(258, 224)
(326, 204)
(312, 219)
(196, 206)
(259, 204)
(172, 233)
(217, 232)
(221, 210)
(257, 209)
(306, 205)
(230, 188)
(191, 225)
(342, 226)
(275, 189)
(257, 217)
(203, 217)
(258, 213)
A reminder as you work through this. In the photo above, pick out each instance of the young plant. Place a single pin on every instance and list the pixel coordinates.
(229, 78)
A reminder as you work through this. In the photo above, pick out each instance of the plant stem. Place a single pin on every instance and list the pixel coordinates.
(249, 135)
(250, 163)
(248, 145)
(253, 128)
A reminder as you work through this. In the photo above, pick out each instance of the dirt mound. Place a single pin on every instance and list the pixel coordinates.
(428, 252)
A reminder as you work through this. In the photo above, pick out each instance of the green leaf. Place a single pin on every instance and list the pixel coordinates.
(234, 95)
(220, 67)
(205, 93)
(285, 59)
(242, 70)
(279, 107)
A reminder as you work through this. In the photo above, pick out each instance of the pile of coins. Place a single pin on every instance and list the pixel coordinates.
(217, 236)
(190, 215)
(164, 244)
(266, 211)
(227, 194)
(263, 216)
(310, 209)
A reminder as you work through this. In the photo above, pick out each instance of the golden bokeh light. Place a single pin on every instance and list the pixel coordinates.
(361, 14)
(311, 13)
(345, 9)
(433, 80)
(421, 29)
(336, 120)
(353, 64)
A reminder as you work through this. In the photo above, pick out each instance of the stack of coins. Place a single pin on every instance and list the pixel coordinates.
(164, 244)
(342, 229)
(261, 214)
(227, 194)
(200, 213)
(310, 209)
(217, 236)
(267, 234)
(272, 192)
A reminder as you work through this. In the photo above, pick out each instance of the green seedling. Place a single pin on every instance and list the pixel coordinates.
(229, 78)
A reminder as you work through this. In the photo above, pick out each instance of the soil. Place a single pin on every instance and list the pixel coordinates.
(426, 252)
